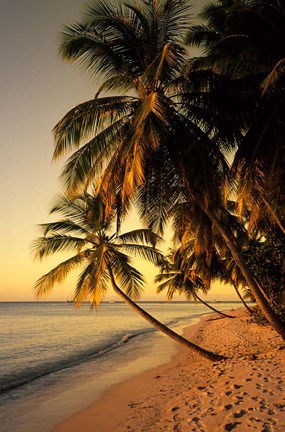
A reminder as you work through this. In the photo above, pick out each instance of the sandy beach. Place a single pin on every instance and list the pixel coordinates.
(243, 393)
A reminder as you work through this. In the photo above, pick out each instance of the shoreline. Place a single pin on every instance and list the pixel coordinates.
(190, 393)
(113, 406)
(122, 395)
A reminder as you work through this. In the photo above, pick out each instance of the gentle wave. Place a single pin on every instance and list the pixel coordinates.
(28, 375)
(34, 349)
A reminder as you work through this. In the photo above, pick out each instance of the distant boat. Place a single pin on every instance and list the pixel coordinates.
(69, 301)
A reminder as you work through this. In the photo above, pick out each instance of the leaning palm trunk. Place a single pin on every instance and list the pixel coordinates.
(158, 325)
(212, 308)
(250, 311)
(269, 297)
(267, 311)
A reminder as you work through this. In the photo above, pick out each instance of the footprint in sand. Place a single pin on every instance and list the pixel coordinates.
(175, 408)
(280, 407)
(199, 426)
(255, 419)
(263, 407)
(239, 414)
(231, 426)
(266, 427)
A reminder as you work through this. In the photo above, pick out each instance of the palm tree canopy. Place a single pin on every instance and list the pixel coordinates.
(242, 37)
(247, 39)
(132, 45)
(82, 230)
(161, 128)
(175, 277)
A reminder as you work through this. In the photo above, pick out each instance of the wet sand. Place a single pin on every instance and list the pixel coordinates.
(244, 393)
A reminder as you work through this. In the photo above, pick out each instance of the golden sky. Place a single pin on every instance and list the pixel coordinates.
(36, 90)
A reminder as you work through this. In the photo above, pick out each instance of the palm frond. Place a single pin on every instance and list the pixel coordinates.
(140, 236)
(45, 246)
(134, 173)
(129, 278)
(147, 253)
(173, 19)
(164, 68)
(93, 282)
(86, 45)
(57, 275)
(116, 83)
(121, 24)
(171, 289)
(86, 164)
(89, 118)
(274, 77)
(71, 209)
(63, 227)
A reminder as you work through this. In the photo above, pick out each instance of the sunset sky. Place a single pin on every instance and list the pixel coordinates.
(37, 89)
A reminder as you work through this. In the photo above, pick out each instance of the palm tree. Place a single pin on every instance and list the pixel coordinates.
(162, 120)
(246, 41)
(176, 277)
(235, 44)
(202, 252)
(104, 258)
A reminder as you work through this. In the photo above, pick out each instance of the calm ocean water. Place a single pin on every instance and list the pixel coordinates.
(55, 359)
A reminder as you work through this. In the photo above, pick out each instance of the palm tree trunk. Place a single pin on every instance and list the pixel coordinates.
(212, 308)
(250, 311)
(267, 311)
(268, 297)
(158, 325)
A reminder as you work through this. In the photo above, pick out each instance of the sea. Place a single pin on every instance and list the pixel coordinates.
(56, 359)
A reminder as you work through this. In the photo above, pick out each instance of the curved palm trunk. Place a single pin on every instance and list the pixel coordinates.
(212, 308)
(158, 325)
(268, 297)
(250, 311)
(267, 311)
